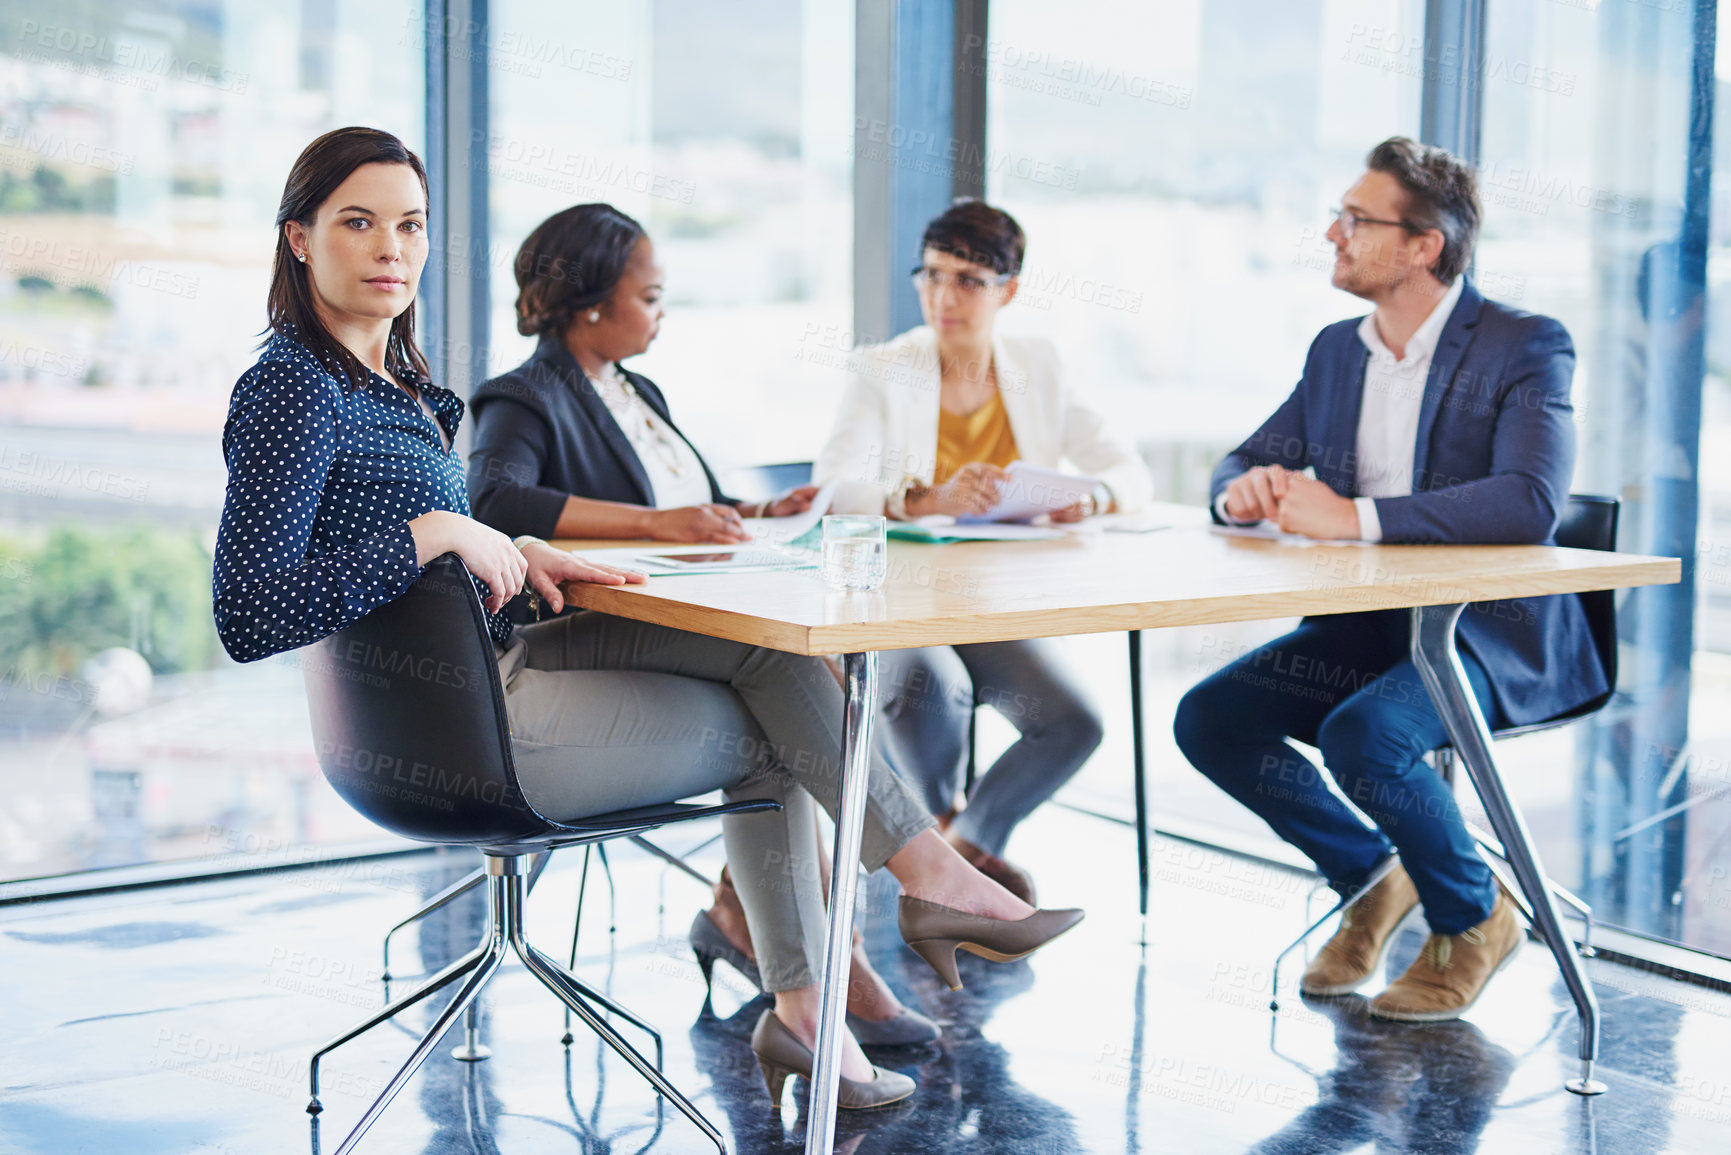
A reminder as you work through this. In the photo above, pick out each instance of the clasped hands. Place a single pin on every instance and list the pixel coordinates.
(1296, 503)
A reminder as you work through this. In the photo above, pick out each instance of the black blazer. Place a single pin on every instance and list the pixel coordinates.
(542, 434)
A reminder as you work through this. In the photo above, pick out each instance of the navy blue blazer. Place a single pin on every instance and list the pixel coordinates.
(543, 434)
(1495, 451)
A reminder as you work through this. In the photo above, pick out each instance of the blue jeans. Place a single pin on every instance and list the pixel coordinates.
(1345, 685)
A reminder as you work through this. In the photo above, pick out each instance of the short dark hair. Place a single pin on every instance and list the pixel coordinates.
(571, 262)
(1442, 193)
(980, 234)
(321, 167)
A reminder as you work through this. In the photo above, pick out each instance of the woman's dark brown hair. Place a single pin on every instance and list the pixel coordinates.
(571, 262)
(979, 234)
(321, 167)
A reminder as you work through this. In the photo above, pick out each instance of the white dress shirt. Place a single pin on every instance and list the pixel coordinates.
(1388, 415)
(1389, 411)
(676, 477)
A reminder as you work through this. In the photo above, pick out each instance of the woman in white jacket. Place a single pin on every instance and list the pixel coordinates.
(929, 423)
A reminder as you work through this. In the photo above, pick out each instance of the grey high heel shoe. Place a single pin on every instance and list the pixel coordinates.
(937, 932)
(709, 944)
(780, 1054)
(905, 1030)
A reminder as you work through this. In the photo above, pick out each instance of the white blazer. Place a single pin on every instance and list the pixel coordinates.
(887, 428)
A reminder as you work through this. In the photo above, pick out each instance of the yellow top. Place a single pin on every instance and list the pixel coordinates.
(983, 435)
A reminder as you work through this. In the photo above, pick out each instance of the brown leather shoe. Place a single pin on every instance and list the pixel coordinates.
(1006, 874)
(1356, 949)
(1451, 971)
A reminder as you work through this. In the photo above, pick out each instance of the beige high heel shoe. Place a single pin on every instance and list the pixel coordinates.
(937, 932)
(780, 1054)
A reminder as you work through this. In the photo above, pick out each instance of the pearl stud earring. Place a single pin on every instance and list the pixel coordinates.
(594, 316)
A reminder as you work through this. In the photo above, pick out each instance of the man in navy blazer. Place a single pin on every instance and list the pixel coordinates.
(1440, 418)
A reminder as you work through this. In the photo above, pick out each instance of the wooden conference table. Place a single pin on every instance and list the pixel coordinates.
(1102, 582)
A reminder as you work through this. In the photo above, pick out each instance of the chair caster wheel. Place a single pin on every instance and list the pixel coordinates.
(313, 1107)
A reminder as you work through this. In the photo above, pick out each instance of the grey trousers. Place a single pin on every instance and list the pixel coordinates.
(608, 713)
(928, 699)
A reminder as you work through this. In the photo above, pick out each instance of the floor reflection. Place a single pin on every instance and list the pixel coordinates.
(1100, 1044)
(1398, 1086)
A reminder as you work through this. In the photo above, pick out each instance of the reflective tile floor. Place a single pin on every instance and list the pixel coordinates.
(178, 1020)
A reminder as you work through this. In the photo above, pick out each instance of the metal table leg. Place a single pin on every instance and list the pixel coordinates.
(860, 676)
(1433, 652)
(1139, 760)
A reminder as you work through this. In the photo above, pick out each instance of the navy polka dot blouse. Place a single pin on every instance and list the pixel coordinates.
(322, 484)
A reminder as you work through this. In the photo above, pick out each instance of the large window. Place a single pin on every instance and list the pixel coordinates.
(142, 153)
(1592, 123)
(1181, 269)
(1173, 165)
(727, 131)
(143, 147)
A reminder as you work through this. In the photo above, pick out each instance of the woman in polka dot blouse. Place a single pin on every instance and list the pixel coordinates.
(343, 484)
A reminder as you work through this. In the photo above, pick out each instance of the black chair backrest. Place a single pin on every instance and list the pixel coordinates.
(408, 717)
(1590, 522)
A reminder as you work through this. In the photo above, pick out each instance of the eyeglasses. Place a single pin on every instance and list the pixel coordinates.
(1349, 222)
(936, 279)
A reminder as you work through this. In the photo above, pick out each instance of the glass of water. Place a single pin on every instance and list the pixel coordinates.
(853, 552)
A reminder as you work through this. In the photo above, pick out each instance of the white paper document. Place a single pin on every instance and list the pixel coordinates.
(1268, 531)
(938, 527)
(778, 529)
(1031, 491)
(666, 560)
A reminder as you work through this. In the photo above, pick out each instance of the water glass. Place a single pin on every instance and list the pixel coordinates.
(853, 552)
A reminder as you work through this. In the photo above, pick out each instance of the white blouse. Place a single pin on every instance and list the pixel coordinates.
(887, 427)
(676, 476)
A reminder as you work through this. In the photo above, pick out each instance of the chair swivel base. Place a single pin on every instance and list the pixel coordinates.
(503, 934)
(1586, 1085)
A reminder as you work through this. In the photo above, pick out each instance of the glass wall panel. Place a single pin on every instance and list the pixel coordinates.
(1173, 165)
(727, 131)
(143, 148)
(1599, 178)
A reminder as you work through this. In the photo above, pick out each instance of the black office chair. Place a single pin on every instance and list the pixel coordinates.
(408, 719)
(749, 483)
(1588, 522)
